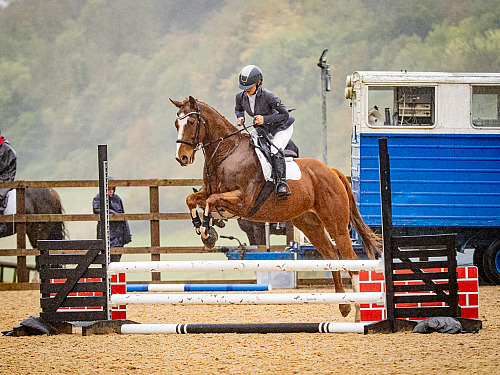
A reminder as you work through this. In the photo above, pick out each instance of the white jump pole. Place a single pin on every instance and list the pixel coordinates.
(248, 299)
(248, 265)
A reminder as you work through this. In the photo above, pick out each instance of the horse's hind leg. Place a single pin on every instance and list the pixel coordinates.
(340, 233)
(312, 227)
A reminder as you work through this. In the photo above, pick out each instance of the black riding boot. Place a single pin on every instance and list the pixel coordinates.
(282, 189)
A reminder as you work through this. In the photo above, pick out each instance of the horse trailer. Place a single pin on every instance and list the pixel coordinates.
(443, 136)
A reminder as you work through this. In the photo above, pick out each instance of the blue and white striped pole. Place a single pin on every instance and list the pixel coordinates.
(197, 287)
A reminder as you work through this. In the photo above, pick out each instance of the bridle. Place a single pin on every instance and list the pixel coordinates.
(195, 142)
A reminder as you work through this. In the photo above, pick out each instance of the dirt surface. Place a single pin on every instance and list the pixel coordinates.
(400, 353)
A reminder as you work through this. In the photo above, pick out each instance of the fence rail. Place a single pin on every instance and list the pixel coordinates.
(21, 219)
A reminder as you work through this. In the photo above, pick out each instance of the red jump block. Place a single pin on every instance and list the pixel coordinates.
(468, 293)
(117, 285)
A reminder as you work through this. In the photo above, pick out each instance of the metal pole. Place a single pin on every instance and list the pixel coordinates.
(325, 86)
(323, 109)
(102, 155)
(268, 236)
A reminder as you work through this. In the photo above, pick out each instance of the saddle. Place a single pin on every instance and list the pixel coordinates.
(278, 168)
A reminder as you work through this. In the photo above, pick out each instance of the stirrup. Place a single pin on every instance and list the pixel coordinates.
(282, 191)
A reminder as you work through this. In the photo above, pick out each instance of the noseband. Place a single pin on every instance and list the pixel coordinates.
(195, 142)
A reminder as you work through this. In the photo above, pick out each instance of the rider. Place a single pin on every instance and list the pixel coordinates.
(8, 164)
(272, 116)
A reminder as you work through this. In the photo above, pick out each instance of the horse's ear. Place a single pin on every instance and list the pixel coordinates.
(176, 103)
(192, 101)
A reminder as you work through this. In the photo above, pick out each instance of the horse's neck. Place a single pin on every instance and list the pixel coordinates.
(219, 128)
(219, 140)
(221, 148)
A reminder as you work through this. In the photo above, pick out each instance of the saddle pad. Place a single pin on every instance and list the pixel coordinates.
(11, 203)
(292, 170)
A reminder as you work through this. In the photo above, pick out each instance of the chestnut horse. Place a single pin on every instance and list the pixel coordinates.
(232, 179)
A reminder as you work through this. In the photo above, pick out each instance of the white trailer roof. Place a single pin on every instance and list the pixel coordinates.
(402, 77)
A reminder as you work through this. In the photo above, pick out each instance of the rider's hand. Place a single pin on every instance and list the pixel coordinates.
(240, 121)
(259, 120)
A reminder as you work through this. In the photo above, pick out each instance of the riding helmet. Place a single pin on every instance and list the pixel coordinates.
(250, 75)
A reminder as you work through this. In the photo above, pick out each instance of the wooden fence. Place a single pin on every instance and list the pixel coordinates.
(154, 216)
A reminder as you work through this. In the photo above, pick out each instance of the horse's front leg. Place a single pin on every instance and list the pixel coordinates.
(223, 200)
(194, 200)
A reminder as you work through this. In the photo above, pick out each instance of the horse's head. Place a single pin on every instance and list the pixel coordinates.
(188, 124)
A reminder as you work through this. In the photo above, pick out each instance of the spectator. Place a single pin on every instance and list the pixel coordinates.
(8, 163)
(119, 231)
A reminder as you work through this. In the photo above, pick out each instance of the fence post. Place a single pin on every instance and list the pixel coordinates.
(386, 205)
(154, 207)
(21, 270)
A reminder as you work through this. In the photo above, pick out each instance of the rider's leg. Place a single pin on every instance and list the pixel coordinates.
(280, 141)
(282, 189)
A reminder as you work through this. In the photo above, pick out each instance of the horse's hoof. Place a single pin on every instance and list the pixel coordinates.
(345, 309)
(218, 223)
(211, 239)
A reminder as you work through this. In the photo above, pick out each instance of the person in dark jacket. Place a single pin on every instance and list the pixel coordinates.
(8, 165)
(270, 117)
(119, 231)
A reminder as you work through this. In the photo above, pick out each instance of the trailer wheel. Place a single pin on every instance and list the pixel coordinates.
(477, 260)
(491, 262)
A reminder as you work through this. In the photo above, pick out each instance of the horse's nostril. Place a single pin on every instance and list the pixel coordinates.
(184, 159)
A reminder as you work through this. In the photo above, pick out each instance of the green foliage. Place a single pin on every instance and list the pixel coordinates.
(74, 74)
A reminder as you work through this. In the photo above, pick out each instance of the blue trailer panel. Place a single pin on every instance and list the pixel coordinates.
(437, 180)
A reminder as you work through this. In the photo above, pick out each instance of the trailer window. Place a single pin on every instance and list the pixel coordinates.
(486, 106)
(401, 106)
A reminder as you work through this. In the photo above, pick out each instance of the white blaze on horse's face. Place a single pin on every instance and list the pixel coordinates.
(180, 130)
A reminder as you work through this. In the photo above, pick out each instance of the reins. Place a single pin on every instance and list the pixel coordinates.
(195, 142)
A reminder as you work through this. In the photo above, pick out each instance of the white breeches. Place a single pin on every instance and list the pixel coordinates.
(280, 140)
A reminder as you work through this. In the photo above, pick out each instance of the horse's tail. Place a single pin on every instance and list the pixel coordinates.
(58, 230)
(372, 242)
(51, 201)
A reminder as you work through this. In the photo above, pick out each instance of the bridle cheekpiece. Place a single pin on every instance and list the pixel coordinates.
(195, 142)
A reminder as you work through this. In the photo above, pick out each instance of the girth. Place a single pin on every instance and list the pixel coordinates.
(265, 192)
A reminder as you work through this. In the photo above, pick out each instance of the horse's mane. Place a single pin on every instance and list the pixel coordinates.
(213, 109)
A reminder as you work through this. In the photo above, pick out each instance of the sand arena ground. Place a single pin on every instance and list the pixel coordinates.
(400, 353)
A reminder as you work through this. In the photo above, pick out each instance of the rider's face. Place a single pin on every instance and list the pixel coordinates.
(251, 90)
